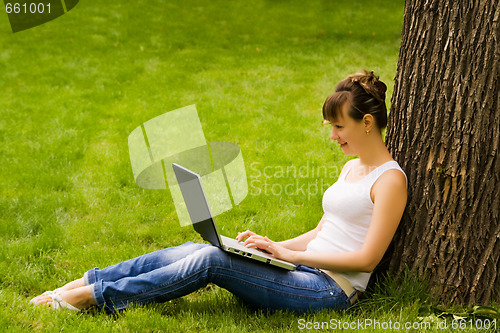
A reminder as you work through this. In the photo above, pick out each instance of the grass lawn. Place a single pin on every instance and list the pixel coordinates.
(73, 89)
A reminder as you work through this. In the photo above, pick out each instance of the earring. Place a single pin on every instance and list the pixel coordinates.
(367, 132)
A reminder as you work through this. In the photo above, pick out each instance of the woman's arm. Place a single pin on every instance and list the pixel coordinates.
(390, 196)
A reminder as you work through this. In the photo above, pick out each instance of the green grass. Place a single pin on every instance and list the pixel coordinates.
(73, 89)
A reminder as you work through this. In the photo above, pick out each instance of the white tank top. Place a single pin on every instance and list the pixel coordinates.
(348, 210)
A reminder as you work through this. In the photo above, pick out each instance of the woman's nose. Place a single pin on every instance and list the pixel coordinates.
(333, 134)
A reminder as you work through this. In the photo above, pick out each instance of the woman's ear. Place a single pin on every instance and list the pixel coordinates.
(368, 122)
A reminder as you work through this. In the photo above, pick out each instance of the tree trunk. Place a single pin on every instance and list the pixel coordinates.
(444, 130)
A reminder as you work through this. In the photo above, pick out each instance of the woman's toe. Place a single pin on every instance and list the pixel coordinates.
(34, 300)
(41, 300)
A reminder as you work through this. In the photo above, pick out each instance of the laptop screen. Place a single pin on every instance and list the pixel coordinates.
(196, 204)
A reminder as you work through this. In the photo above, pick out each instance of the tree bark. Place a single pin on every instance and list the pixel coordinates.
(444, 130)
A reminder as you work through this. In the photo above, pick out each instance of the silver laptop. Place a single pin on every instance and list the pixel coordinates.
(204, 224)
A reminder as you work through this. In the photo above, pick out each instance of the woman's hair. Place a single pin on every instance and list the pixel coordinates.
(365, 95)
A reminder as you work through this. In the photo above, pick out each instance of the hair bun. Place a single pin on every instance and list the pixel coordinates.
(382, 88)
(371, 84)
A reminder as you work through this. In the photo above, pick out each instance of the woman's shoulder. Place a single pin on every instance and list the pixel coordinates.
(395, 174)
(391, 181)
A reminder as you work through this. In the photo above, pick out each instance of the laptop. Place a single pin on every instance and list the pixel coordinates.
(204, 224)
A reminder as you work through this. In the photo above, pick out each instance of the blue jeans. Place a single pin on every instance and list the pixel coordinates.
(177, 271)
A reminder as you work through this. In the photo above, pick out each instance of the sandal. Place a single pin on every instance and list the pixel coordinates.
(57, 302)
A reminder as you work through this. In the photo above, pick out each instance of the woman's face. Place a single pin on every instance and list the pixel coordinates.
(349, 133)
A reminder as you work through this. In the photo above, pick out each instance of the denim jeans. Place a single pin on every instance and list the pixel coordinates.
(177, 271)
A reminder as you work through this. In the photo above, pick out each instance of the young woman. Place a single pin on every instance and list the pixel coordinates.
(361, 213)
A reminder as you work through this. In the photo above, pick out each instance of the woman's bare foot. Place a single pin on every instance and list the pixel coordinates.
(80, 298)
(69, 286)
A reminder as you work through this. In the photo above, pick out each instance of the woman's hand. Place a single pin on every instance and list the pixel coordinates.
(265, 244)
(250, 238)
(244, 235)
